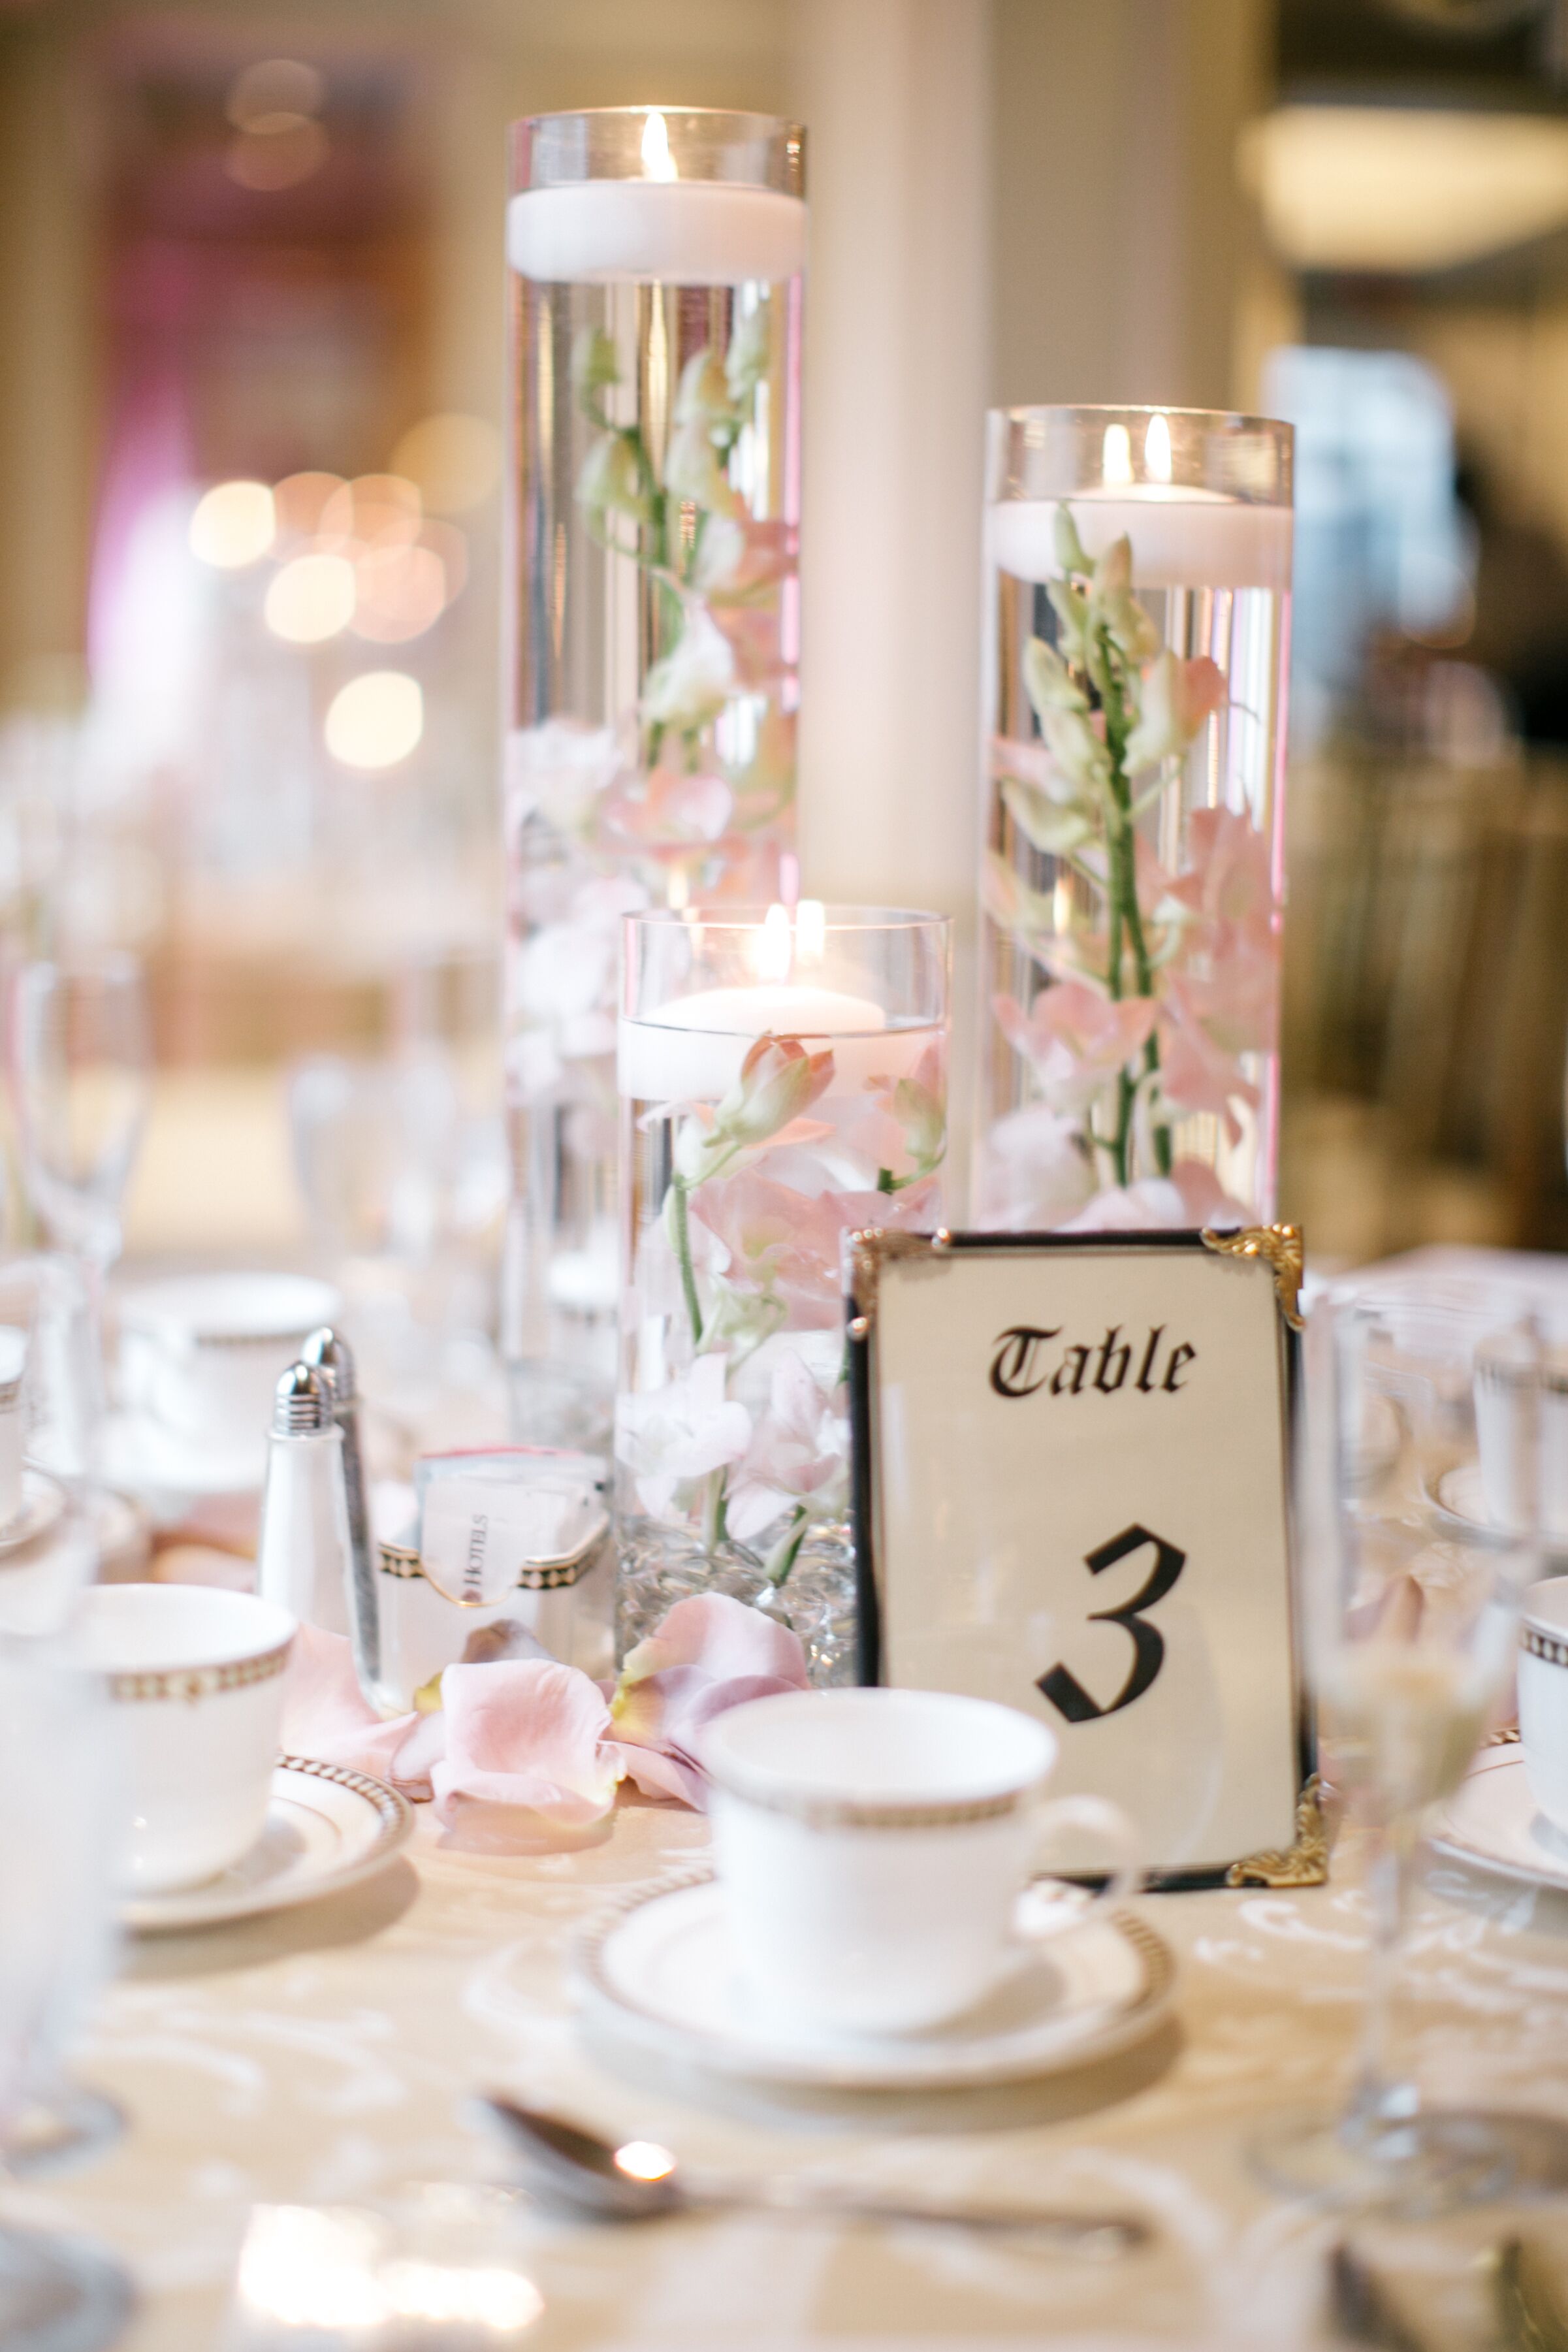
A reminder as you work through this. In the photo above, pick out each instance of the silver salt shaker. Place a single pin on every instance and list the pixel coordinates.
(330, 1353)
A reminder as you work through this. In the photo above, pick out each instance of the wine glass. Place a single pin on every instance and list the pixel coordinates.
(56, 1850)
(1420, 1506)
(81, 1059)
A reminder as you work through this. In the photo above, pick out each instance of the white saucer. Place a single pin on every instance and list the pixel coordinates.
(43, 1500)
(1490, 1822)
(1458, 1496)
(327, 1828)
(658, 1969)
(143, 1458)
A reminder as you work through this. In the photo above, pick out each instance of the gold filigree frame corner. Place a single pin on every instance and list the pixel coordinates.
(1281, 1247)
(1303, 1864)
(874, 1246)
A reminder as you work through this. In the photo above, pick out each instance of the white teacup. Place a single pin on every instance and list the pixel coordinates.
(872, 1846)
(196, 1678)
(201, 1353)
(1543, 1695)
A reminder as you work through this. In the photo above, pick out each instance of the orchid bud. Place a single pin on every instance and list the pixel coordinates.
(1077, 750)
(1050, 683)
(611, 479)
(1114, 573)
(749, 354)
(1071, 609)
(1070, 553)
(594, 367)
(703, 397)
(693, 471)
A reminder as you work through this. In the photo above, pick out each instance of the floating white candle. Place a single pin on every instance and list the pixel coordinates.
(679, 232)
(1182, 538)
(692, 1049)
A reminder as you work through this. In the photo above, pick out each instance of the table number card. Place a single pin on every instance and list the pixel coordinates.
(1073, 1486)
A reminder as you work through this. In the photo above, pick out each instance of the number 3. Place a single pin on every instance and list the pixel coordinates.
(1061, 1688)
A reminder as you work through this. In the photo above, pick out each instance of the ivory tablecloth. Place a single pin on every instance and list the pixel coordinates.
(325, 2056)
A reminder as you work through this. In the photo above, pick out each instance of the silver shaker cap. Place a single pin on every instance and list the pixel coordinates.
(302, 1402)
(332, 1355)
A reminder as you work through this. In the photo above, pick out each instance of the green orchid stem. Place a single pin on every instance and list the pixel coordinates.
(787, 1550)
(681, 1221)
(1126, 915)
(715, 1510)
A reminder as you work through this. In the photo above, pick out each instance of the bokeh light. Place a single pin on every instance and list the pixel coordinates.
(299, 502)
(310, 598)
(376, 720)
(400, 592)
(444, 538)
(274, 94)
(454, 460)
(270, 160)
(376, 510)
(234, 525)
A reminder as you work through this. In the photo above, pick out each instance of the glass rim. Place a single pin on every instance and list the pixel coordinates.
(1233, 420)
(735, 148)
(757, 123)
(843, 916)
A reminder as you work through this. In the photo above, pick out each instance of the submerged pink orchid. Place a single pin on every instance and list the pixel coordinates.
(668, 1436)
(786, 1243)
(778, 1082)
(799, 1453)
(1075, 1040)
(1191, 1195)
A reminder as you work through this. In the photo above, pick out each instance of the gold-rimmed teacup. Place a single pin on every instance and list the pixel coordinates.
(195, 1678)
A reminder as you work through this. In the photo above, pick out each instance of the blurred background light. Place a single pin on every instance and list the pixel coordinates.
(375, 510)
(274, 94)
(1394, 189)
(376, 720)
(310, 598)
(234, 525)
(267, 160)
(298, 502)
(454, 461)
(400, 593)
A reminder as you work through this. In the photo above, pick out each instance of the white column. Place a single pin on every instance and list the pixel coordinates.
(896, 95)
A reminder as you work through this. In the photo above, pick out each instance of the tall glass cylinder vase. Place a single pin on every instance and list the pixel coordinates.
(1138, 576)
(653, 631)
(783, 1083)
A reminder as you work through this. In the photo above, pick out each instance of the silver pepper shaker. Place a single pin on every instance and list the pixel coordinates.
(304, 1560)
(330, 1353)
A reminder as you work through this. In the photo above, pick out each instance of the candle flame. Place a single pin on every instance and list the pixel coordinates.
(1157, 451)
(1116, 456)
(658, 164)
(774, 949)
(810, 931)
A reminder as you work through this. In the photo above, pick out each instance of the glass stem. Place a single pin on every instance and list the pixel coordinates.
(1380, 2095)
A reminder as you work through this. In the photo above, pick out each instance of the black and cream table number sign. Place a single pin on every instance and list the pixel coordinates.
(1072, 1493)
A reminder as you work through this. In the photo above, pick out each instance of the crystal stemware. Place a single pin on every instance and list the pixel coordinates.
(1421, 1494)
(55, 1849)
(79, 1060)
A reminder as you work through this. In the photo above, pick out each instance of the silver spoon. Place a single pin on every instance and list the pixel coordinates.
(639, 2179)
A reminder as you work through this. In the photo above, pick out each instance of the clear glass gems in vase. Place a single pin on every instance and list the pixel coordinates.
(1132, 890)
(783, 1082)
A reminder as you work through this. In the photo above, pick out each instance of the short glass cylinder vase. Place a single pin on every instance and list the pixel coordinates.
(783, 1083)
(1137, 634)
(652, 624)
